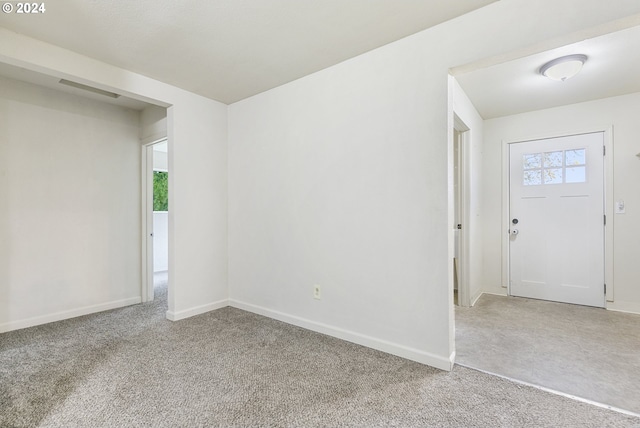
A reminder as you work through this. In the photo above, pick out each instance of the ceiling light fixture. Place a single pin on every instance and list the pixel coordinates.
(564, 67)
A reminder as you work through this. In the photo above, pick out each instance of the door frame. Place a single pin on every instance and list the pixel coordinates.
(608, 204)
(463, 200)
(146, 183)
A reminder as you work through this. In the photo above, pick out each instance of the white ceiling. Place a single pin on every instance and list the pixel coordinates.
(612, 68)
(228, 50)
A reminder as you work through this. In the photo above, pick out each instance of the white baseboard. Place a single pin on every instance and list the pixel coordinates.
(187, 313)
(474, 300)
(629, 307)
(491, 294)
(63, 315)
(443, 363)
(617, 306)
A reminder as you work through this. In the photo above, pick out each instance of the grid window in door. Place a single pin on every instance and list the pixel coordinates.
(562, 166)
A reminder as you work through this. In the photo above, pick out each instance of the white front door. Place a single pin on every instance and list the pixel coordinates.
(556, 194)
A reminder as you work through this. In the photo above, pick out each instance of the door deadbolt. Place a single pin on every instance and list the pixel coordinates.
(514, 221)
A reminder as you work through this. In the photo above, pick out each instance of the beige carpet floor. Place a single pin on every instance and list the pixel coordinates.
(132, 368)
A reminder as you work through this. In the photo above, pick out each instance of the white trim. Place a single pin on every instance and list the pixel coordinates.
(506, 224)
(489, 293)
(608, 207)
(493, 294)
(197, 310)
(607, 130)
(146, 218)
(158, 137)
(146, 184)
(626, 307)
(464, 202)
(72, 313)
(458, 124)
(440, 362)
(474, 299)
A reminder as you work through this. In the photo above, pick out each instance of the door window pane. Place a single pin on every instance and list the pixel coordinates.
(532, 160)
(552, 159)
(553, 175)
(576, 174)
(532, 178)
(575, 157)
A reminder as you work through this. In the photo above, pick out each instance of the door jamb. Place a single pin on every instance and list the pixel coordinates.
(146, 182)
(464, 292)
(607, 203)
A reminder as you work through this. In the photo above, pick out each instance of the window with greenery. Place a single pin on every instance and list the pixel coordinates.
(160, 191)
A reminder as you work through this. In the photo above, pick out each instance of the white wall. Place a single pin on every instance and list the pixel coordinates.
(332, 184)
(160, 241)
(197, 135)
(153, 124)
(342, 179)
(619, 112)
(465, 110)
(70, 205)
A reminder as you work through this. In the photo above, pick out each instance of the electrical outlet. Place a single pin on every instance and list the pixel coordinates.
(316, 292)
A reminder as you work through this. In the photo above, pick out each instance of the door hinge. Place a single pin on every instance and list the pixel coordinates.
(605, 219)
(604, 150)
(605, 289)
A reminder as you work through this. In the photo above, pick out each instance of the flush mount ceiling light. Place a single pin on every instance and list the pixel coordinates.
(564, 67)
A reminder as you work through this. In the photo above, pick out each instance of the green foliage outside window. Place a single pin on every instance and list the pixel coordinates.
(160, 191)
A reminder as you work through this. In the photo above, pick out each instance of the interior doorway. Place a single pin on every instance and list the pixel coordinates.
(462, 294)
(155, 218)
(567, 348)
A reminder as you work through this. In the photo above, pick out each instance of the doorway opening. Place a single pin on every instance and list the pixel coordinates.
(568, 348)
(155, 218)
(461, 292)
